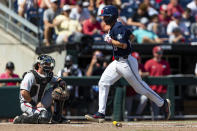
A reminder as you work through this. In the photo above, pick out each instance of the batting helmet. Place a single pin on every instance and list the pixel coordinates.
(112, 13)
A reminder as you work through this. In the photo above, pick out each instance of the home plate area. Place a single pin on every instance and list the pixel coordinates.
(106, 126)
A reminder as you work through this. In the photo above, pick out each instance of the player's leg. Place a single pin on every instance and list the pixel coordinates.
(31, 115)
(109, 77)
(131, 74)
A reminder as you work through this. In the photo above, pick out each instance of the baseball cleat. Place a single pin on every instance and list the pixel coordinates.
(166, 109)
(59, 119)
(97, 117)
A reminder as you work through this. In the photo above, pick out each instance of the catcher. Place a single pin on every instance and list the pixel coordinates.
(35, 98)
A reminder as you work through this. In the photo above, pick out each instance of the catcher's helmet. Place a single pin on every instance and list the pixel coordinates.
(112, 13)
(47, 62)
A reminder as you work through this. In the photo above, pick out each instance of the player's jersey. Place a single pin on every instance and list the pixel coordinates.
(29, 84)
(121, 33)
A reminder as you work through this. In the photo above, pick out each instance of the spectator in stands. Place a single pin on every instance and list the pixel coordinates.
(64, 26)
(79, 13)
(157, 67)
(173, 7)
(24, 5)
(177, 22)
(155, 26)
(194, 29)
(9, 74)
(45, 4)
(97, 65)
(48, 17)
(72, 3)
(151, 9)
(142, 35)
(141, 12)
(92, 26)
(187, 18)
(193, 6)
(71, 69)
(164, 19)
(176, 36)
(131, 95)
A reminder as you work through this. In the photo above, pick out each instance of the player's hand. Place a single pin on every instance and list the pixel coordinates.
(108, 39)
(93, 61)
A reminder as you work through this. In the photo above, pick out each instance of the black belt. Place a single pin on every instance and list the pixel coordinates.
(118, 57)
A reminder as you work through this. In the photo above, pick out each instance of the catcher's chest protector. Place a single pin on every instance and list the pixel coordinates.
(42, 82)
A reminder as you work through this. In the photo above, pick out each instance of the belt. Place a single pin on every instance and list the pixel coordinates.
(120, 57)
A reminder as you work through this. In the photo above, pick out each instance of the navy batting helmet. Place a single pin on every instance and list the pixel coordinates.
(112, 13)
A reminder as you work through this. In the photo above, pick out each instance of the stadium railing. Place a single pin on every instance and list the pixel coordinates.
(21, 28)
(9, 96)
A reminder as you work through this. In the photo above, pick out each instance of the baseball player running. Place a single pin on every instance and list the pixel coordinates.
(35, 98)
(124, 65)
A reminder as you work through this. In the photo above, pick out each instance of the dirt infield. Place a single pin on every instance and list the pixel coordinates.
(107, 126)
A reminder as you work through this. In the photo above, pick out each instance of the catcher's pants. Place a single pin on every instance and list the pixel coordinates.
(46, 101)
(127, 68)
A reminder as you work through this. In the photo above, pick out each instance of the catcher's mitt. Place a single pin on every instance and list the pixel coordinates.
(60, 94)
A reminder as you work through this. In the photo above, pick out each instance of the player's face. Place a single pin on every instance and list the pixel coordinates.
(45, 68)
(106, 20)
(10, 70)
(158, 54)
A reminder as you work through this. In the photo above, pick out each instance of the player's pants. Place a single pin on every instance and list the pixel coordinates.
(46, 101)
(127, 68)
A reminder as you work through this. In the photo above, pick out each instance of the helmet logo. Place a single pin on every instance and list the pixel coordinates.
(102, 11)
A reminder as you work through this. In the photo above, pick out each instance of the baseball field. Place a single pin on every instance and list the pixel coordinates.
(107, 126)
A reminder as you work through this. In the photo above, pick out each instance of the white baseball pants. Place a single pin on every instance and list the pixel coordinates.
(127, 68)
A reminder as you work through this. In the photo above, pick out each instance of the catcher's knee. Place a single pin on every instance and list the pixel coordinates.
(44, 117)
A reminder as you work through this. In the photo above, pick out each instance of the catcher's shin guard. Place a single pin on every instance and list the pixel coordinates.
(58, 108)
(23, 119)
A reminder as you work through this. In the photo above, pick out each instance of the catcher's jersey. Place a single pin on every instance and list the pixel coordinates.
(29, 84)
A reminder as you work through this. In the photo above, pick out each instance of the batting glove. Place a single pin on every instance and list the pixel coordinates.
(108, 39)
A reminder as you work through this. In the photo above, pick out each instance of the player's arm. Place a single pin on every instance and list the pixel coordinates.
(57, 80)
(26, 86)
(118, 44)
(26, 95)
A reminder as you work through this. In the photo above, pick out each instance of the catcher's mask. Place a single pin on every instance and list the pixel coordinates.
(47, 63)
